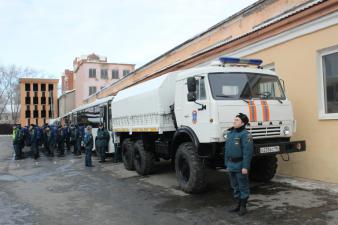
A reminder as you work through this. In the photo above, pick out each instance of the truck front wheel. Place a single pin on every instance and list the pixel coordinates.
(189, 169)
(263, 169)
(127, 154)
(143, 160)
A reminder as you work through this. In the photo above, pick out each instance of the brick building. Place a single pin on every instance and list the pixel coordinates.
(38, 100)
(67, 81)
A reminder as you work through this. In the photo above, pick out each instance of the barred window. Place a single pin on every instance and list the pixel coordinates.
(115, 74)
(104, 74)
(92, 90)
(92, 73)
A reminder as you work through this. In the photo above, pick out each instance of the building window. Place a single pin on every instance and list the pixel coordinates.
(92, 73)
(115, 74)
(43, 113)
(43, 100)
(104, 74)
(125, 72)
(35, 114)
(43, 87)
(27, 100)
(35, 100)
(28, 113)
(50, 87)
(27, 87)
(328, 83)
(92, 90)
(35, 87)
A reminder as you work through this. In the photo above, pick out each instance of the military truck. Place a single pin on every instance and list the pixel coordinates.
(183, 116)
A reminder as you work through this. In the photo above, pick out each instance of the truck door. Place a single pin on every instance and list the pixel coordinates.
(196, 114)
(105, 119)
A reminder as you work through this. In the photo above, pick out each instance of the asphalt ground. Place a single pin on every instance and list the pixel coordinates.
(63, 191)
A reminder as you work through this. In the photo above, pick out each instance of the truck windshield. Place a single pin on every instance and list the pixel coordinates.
(245, 86)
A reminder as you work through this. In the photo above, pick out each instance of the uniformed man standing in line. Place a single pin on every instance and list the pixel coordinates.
(237, 159)
(101, 142)
(33, 130)
(78, 139)
(26, 136)
(88, 144)
(72, 136)
(49, 141)
(60, 141)
(17, 141)
(67, 136)
(82, 133)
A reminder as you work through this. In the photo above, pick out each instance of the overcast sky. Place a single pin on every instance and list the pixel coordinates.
(47, 35)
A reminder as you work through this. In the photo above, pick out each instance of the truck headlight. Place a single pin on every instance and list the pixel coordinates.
(286, 130)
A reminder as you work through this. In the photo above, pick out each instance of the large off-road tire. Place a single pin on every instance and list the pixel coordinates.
(143, 160)
(263, 169)
(128, 154)
(190, 171)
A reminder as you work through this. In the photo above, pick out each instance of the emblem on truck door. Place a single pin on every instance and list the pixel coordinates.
(194, 116)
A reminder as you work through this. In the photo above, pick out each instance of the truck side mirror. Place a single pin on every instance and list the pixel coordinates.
(191, 82)
(191, 96)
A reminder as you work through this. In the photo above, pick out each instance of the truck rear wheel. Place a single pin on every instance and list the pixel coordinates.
(189, 169)
(127, 154)
(143, 160)
(263, 169)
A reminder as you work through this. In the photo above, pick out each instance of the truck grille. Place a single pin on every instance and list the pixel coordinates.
(258, 132)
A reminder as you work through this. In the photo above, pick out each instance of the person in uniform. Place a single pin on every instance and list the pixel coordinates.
(66, 130)
(101, 142)
(72, 138)
(17, 141)
(88, 144)
(78, 139)
(60, 141)
(26, 134)
(237, 159)
(33, 130)
(50, 141)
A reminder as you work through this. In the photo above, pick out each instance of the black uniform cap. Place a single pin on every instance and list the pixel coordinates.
(243, 117)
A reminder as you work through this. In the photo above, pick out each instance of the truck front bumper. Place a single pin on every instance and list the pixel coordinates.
(279, 148)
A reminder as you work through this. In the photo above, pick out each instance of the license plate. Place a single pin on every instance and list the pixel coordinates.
(269, 149)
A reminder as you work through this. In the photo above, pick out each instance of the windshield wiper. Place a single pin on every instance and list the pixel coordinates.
(224, 96)
(246, 101)
(280, 101)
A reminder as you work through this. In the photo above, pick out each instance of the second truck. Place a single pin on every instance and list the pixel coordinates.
(183, 116)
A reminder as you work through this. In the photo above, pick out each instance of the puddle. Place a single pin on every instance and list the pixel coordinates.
(8, 178)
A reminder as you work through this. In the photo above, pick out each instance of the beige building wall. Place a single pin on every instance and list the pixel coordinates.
(297, 62)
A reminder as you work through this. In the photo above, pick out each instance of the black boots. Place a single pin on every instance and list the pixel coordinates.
(237, 207)
(240, 207)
